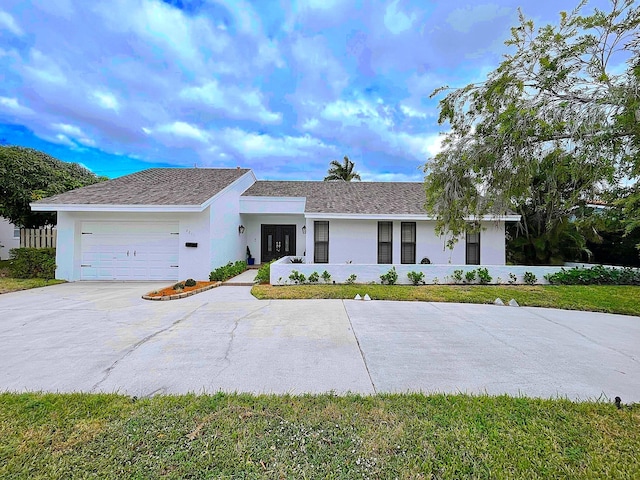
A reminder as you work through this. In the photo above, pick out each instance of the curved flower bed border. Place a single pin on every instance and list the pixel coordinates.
(177, 296)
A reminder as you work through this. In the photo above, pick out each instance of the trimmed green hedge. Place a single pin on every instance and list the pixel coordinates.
(597, 275)
(32, 263)
(228, 271)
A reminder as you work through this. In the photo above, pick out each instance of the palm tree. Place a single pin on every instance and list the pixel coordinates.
(342, 171)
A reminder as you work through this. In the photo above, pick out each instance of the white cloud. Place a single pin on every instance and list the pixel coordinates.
(245, 16)
(68, 129)
(434, 144)
(234, 101)
(72, 132)
(462, 19)
(310, 124)
(185, 130)
(7, 22)
(319, 4)
(12, 105)
(317, 68)
(106, 100)
(252, 145)
(42, 67)
(175, 34)
(359, 112)
(64, 140)
(396, 20)
(87, 141)
(410, 112)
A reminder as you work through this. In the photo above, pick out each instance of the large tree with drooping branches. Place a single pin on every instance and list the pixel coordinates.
(555, 125)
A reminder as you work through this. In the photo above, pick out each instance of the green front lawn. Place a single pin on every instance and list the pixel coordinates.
(326, 436)
(596, 298)
(14, 284)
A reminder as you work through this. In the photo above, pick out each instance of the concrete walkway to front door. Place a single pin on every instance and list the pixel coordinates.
(245, 279)
(102, 337)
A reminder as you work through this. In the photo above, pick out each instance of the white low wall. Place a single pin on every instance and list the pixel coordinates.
(433, 274)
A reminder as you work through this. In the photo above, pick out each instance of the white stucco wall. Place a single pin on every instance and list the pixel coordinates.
(492, 244)
(7, 240)
(356, 241)
(253, 231)
(193, 227)
(226, 243)
(273, 205)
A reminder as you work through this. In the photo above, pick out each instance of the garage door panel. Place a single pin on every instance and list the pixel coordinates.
(122, 251)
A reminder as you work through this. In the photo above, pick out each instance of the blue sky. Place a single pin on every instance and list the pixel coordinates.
(282, 87)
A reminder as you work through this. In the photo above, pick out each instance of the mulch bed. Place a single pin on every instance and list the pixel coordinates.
(168, 293)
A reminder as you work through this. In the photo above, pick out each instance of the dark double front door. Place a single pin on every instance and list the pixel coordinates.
(278, 241)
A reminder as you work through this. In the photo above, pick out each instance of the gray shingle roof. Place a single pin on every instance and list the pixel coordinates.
(156, 186)
(368, 198)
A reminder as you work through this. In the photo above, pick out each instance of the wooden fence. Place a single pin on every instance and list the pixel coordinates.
(38, 237)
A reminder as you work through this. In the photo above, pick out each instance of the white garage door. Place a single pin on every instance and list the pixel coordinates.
(129, 251)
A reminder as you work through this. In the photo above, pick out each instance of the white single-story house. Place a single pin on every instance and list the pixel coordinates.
(173, 223)
(9, 237)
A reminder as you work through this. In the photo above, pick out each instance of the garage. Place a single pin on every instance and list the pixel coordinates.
(129, 251)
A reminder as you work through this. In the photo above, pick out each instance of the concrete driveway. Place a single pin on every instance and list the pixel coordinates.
(102, 337)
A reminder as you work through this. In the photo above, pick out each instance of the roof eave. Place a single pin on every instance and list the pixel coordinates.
(74, 207)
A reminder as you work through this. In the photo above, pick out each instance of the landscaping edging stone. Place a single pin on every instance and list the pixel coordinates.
(178, 296)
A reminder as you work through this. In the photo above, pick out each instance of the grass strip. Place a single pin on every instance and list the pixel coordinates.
(596, 298)
(14, 284)
(324, 436)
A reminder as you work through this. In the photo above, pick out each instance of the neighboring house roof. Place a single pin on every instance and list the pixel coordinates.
(155, 186)
(364, 198)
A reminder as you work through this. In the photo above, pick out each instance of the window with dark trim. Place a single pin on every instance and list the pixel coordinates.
(408, 242)
(321, 242)
(473, 248)
(385, 242)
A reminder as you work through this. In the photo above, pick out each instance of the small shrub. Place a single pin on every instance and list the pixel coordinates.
(297, 277)
(178, 286)
(190, 282)
(498, 280)
(597, 275)
(351, 280)
(314, 277)
(227, 271)
(457, 276)
(469, 276)
(483, 276)
(326, 276)
(297, 260)
(512, 278)
(264, 273)
(416, 278)
(389, 278)
(529, 278)
(435, 281)
(32, 263)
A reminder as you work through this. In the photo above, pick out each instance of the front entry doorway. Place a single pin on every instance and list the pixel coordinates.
(278, 241)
